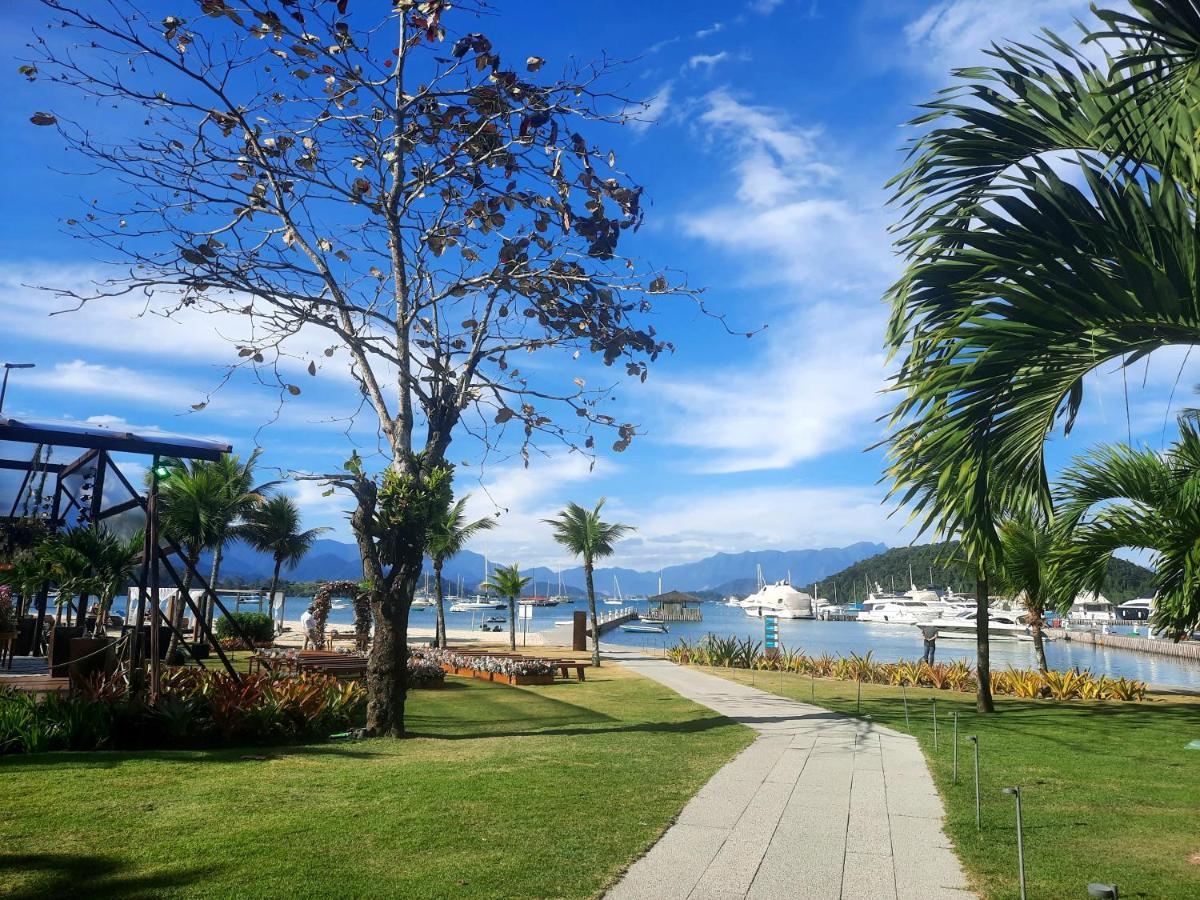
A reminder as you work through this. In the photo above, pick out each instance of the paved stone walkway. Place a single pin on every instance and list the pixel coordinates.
(819, 806)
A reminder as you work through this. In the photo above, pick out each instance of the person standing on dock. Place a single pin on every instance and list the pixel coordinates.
(930, 636)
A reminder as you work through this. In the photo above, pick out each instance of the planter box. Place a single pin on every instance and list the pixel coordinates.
(88, 655)
(59, 651)
(533, 679)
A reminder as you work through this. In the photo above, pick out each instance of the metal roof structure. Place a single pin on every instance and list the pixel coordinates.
(99, 437)
(91, 489)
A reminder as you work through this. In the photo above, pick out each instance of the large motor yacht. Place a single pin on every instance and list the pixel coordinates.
(779, 599)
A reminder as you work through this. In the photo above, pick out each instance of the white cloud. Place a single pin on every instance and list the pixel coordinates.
(776, 517)
(113, 382)
(954, 33)
(707, 61)
(790, 204)
(764, 7)
(714, 28)
(656, 108)
(813, 390)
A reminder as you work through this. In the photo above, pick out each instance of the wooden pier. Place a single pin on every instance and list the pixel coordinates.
(607, 621)
(1160, 646)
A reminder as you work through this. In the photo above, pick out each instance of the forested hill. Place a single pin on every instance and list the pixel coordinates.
(1125, 580)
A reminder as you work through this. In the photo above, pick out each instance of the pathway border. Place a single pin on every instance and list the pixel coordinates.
(820, 806)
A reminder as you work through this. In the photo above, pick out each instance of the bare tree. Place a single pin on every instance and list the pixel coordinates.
(436, 213)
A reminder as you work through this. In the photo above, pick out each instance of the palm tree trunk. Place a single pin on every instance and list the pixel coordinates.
(512, 622)
(441, 609)
(192, 561)
(983, 665)
(206, 604)
(275, 584)
(1039, 645)
(591, 589)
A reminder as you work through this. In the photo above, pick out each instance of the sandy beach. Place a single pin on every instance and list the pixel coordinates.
(343, 635)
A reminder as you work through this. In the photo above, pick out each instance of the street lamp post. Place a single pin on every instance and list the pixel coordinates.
(4, 384)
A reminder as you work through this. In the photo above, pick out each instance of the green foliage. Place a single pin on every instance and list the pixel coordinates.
(197, 708)
(585, 534)
(1115, 497)
(255, 625)
(507, 581)
(1049, 226)
(274, 527)
(745, 653)
(1123, 580)
(449, 532)
(408, 505)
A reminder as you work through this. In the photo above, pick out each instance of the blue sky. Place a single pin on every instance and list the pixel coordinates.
(772, 128)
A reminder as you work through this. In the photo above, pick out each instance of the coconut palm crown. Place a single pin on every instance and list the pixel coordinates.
(449, 534)
(1119, 497)
(1048, 226)
(274, 528)
(508, 582)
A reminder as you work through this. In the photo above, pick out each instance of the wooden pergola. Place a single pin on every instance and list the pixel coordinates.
(90, 489)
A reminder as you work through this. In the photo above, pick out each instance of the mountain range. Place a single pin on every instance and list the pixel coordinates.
(331, 560)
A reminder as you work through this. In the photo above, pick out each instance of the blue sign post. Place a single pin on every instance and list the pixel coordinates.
(771, 634)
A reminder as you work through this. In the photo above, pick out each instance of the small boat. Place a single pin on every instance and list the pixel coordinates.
(618, 600)
(494, 620)
(475, 605)
(614, 603)
(645, 627)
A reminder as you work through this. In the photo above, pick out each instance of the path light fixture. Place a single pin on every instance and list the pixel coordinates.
(1016, 793)
(1103, 891)
(974, 739)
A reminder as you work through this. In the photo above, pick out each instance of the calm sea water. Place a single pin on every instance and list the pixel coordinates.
(887, 642)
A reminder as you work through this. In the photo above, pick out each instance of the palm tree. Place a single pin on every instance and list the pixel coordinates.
(191, 506)
(233, 506)
(1028, 544)
(448, 535)
(112, 561)
(507, 581)
(67, 567)
(583, 533)
(1049, 226)
(1118, 497)
(274, 528)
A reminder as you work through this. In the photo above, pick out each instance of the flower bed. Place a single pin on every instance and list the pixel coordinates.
(737, 653)
(490, 668)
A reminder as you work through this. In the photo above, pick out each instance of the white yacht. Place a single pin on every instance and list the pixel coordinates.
(1138, 610)
(1091, 609)
(560, 597)
(897, 610)
(1001, 626)
(476, 603)
(617, 599)
(779, 599)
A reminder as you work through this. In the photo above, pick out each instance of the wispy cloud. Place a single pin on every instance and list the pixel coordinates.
(956, 33)
(707, 61)
(656, 108)
(714, 28)
(764, 7)
(790, 203)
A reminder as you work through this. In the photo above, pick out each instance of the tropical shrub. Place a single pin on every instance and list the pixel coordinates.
(258, 627)
(733, 652)
(423, 673)
(196, 708)
(8, 615)
(497, 665)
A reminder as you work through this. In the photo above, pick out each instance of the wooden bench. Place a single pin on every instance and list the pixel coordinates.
(565, 666)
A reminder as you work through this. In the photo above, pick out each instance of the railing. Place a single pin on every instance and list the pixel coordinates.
(608, 620)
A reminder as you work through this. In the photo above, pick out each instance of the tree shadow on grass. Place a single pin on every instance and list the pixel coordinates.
(88, 874)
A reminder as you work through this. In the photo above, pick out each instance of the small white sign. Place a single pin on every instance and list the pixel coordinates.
(525, 611)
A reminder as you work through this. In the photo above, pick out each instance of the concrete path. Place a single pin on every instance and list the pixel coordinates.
(819, 806)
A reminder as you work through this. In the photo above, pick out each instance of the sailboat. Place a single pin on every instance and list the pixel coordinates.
(560, 597)
(618, 600)
(423, 599)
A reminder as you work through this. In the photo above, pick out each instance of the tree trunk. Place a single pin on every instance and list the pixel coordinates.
(1039, 645)
(275, 578)
(512, 622)
(207, 606)
(441, 609)
(983, 666)
(591, 589)
(387, 666)
(190, 564)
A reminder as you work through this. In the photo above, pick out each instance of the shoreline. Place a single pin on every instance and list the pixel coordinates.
(292, 636)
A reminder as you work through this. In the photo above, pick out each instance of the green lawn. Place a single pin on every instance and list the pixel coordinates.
(503, 792)
(1108, 790)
